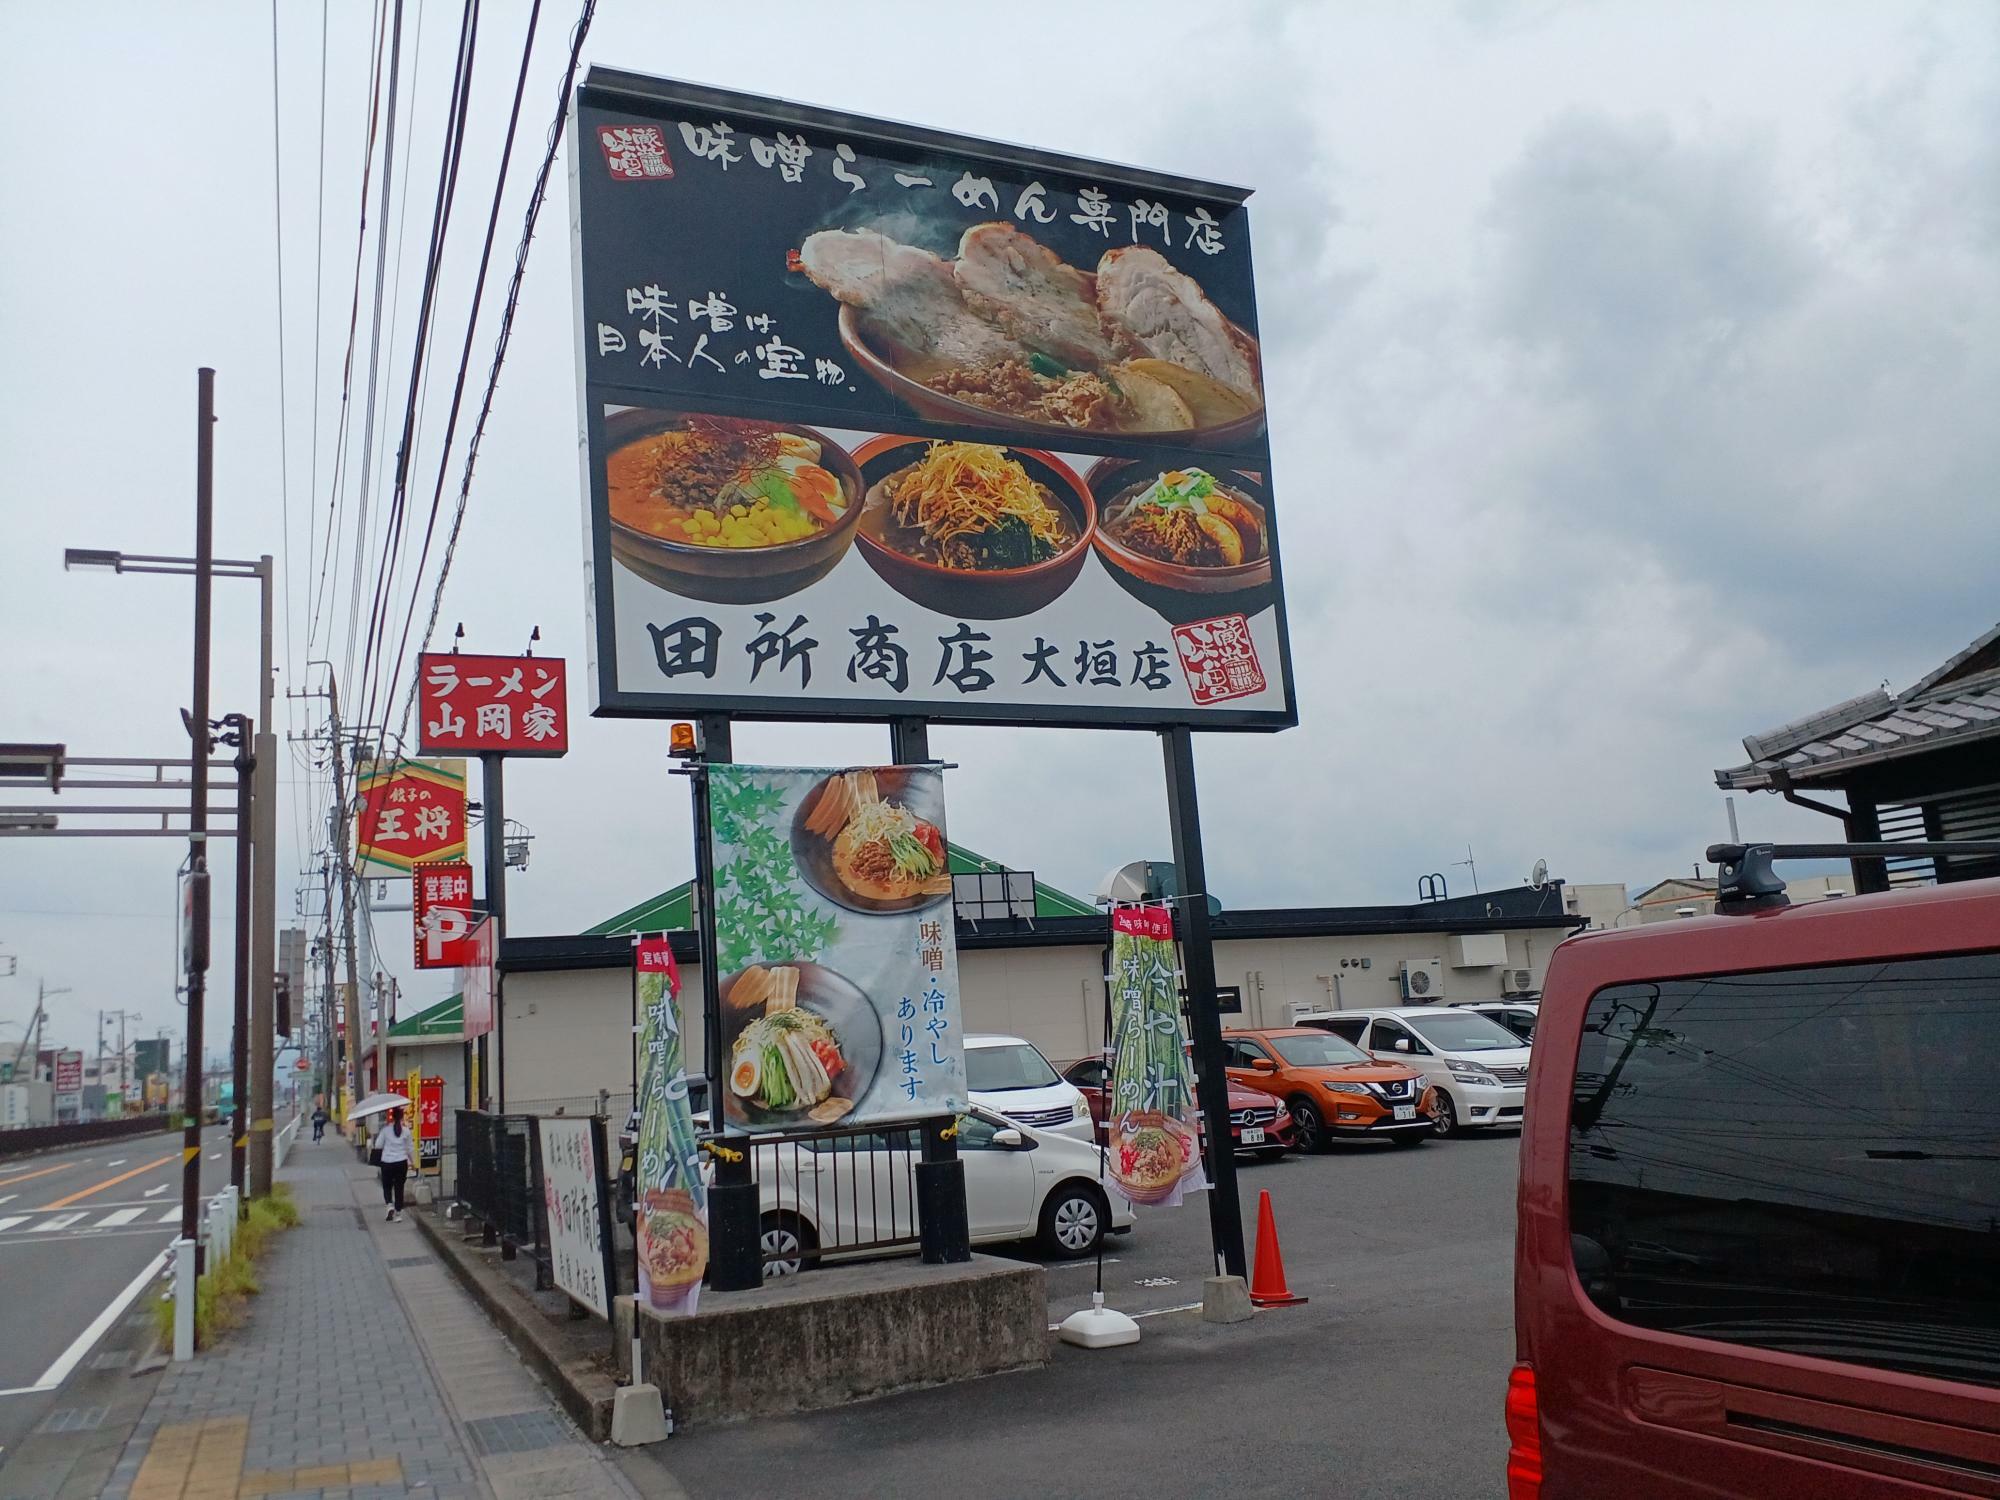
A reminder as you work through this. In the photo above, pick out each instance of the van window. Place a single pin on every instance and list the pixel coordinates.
(1803, 1160)
(1383, 1036)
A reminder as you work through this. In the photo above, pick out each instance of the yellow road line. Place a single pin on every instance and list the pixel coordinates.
(59, 1167)
(108, 1182)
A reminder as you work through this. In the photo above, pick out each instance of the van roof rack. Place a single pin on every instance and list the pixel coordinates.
(1745, 881)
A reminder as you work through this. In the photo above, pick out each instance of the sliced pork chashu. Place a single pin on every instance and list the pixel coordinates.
(906, 295)
(1033, 294)
(1159, 311)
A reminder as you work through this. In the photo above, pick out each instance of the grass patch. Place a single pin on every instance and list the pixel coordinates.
(222, 1297)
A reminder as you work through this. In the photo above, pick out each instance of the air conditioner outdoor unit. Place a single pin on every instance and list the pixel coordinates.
(1423, 981)
(1517, 981)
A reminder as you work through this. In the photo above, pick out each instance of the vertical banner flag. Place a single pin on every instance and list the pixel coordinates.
(673, 1199)
(1154, 1145)
(571, 1182)
(836, 954)
(476, 981)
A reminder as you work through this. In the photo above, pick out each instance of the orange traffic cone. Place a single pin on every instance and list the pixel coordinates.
(1267, 1284)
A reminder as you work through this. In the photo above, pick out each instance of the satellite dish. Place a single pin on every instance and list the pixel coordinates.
(1540, 875)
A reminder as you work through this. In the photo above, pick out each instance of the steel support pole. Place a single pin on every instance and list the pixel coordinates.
(264, 904)
(197, 977)
(239, 1030)
(493, 795)
(1225, 1216)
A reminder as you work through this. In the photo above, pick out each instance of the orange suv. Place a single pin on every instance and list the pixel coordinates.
(1330, 1085)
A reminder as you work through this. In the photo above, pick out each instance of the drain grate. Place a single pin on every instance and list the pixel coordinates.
(521, 1432)
(112, 1359)
(74, 1419)
(404, 1262)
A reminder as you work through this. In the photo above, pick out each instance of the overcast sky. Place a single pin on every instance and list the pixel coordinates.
(1631, 379)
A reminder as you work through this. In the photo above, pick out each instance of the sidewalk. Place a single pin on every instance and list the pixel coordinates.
(362, 1370)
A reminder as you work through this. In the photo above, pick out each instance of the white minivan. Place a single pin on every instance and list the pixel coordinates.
(1011, 1077)
(1478, 1068)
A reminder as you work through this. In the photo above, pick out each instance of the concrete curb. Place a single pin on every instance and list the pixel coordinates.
(584, 1390)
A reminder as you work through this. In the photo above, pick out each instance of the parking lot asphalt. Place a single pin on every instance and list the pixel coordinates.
(1388, 1382)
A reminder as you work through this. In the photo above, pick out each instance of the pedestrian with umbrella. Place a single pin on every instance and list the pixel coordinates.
(391, 1151)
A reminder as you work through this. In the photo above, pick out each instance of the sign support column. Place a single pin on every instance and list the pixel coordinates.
(197, 954)
(1225, 1215)
(239, 1035)
(492, 771)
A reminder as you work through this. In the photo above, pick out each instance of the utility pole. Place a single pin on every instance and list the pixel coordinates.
(237, 732)
(197, 957)
(344, 859)
(264, 897)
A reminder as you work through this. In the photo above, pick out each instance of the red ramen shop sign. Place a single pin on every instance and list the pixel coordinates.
(512, 705)
(887, 423)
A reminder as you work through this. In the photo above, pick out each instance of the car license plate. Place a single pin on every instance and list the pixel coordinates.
(1406, 1111)
(1253, 1135)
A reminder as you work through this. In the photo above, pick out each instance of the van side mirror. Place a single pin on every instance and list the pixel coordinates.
(1402, 1044)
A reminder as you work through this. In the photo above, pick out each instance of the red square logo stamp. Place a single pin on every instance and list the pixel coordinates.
(635, 153)
(1219, 658)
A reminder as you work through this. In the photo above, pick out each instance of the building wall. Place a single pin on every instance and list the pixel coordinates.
(569, 1033)
(1602, 903)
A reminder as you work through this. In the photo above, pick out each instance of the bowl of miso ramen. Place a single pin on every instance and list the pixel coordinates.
(726, 509)
(976, 530)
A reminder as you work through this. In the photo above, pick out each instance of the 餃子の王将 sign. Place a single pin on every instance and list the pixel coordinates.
(887, 422)
(408, 813)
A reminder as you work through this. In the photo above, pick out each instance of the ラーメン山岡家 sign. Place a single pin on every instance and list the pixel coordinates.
(884, 422)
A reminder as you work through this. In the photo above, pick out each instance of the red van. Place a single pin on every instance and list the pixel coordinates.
(1758, 1248)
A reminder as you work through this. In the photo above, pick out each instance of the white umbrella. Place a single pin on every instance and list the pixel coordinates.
(377, 1104)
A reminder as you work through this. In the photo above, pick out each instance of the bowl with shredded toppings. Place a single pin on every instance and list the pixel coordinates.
(1189, 542)
(976, 530)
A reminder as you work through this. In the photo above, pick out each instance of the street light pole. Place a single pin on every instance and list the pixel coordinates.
(197, 957)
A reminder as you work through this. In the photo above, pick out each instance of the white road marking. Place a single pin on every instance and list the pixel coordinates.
(60, 1221)
(215, 1156)
(84, 1342)
(155, 1192)
(122, 1216)
(8, 1223)
(171, 1216)
(8, 1197)
(119, 1162)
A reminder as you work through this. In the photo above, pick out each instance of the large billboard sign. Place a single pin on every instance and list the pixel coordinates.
(481, 705)
(408, 813)
(837, 954)
(883, 422)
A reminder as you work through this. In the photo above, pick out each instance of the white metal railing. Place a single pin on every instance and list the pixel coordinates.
(281, 1144)
(216, 1236)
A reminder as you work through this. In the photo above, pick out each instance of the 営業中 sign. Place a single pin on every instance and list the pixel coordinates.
(887, 422)
(836, 948)
(441, 914)
(515, 705)
(408, 813)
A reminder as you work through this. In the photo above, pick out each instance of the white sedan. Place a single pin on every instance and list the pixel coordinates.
(856, 1194)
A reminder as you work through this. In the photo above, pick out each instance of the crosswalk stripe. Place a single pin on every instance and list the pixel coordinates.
(171, 1216)
(121, 1216)
(9, 1223)
(8, 1197)
(55, 1222)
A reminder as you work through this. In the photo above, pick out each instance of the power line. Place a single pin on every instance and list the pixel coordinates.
(465, 350)
(284, 407)
(447, 194)
(582, 30)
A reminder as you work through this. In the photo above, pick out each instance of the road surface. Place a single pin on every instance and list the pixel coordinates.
(77, 1228)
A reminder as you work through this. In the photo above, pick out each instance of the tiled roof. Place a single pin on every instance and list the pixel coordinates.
(672, 910)
(1959, 703)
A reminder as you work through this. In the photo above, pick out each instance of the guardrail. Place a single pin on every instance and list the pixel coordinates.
(214, 1243)
(281, 1144)
(50, 1137)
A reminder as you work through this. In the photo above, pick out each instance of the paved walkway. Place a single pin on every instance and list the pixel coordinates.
(363, 1370)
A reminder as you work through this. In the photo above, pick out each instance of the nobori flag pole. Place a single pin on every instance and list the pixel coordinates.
(1225, 1215)
(1098, 1326)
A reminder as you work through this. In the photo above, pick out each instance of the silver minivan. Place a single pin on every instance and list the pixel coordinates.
(1477, 1068)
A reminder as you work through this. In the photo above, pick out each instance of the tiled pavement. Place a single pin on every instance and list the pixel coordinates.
(363, 1370)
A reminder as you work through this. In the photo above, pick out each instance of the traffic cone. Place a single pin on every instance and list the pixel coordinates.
(1267, 1284)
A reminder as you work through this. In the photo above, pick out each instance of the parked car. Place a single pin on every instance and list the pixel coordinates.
(1329, 1088)
(825, 1198)
(1477, 1069)
(1518, 1016)
(1011, 1077)
(1258, 1125)
(1754, 1251)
